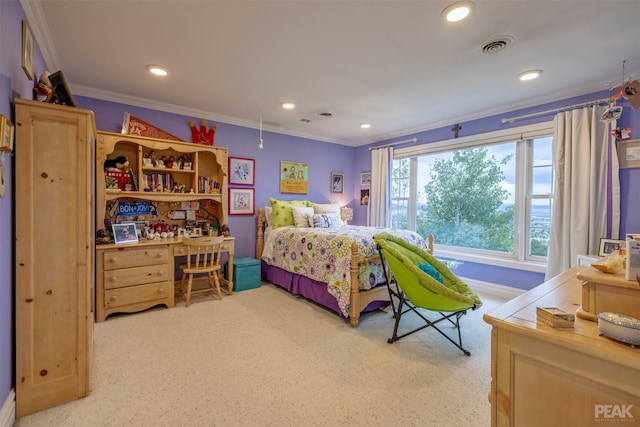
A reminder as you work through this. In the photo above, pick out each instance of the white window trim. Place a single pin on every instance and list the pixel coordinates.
(506, 135)
(512, 134)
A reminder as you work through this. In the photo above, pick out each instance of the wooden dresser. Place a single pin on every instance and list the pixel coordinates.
(565, 376)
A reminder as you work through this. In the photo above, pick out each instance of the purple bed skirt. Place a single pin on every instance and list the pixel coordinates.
(309, 288)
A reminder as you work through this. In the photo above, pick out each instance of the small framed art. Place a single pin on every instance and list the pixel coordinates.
(629, 154)
(337, 182)
(365, 179)
(6, 134)
(241, 171)
(293, 177)
(125, 233)
(241, 201)
(608, 246)
(27, 50)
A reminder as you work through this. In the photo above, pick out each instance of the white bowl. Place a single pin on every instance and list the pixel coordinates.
(619, 327)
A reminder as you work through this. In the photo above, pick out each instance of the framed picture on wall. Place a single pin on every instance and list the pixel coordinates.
(6, 134)
(27, 50)
(241, 171)
(337, 182)
(365, 179)
(629, 154)
(293, 177)
(241, 201)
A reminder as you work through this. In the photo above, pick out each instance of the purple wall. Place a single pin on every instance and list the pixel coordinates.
(629, 179)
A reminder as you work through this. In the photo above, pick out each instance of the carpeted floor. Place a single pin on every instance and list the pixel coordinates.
(263, 357)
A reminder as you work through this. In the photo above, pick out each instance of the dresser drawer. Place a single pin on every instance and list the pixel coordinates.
(135, 257)
(136, 294)
(135, 276)
(179, 250)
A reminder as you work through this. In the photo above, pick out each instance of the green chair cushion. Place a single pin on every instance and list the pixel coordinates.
(403, 259)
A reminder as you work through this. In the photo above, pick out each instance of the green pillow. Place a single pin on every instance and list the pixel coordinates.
(281, 211)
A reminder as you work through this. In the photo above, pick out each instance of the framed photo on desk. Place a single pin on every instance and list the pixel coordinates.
(125, 233)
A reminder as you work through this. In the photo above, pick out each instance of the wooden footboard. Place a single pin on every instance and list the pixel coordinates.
(358, 300)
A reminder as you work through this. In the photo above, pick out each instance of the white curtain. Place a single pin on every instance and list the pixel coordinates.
(587, 187)
(380, 197)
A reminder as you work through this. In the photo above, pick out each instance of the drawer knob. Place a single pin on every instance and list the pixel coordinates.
(160, 290)
(160, 273)
(113, 279)
(113, 259)
(113, 298)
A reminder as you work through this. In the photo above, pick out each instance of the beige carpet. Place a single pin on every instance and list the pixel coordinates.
(263, 357)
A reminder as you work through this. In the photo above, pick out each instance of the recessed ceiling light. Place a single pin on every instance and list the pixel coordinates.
(365, 125)
(529, 75)
(157, 70)
(458, 11)
(288, 105)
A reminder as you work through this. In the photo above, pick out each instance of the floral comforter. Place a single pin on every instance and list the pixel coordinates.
(324, 255)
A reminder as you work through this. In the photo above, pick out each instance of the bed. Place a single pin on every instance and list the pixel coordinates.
(321, 264)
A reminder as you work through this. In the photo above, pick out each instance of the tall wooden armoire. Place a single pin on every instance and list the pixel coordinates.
(54, 250)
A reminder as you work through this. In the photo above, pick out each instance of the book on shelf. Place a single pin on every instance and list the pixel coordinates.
(134, 180)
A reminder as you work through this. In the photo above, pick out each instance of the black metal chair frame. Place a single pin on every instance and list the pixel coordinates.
(398, 312)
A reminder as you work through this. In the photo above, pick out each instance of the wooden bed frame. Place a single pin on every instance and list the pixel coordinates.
(358, 300)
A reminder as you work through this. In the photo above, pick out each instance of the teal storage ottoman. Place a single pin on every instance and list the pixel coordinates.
(246, 273)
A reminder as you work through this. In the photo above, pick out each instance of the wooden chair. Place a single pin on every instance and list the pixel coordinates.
(203, 256)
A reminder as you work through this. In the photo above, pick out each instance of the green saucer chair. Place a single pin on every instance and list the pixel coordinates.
(413, 280)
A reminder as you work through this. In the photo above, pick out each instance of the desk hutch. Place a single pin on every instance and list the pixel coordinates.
(133, 277)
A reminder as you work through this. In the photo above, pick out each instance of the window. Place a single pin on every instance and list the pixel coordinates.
(488, 196)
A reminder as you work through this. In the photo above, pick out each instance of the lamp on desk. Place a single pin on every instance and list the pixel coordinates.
(346, 213)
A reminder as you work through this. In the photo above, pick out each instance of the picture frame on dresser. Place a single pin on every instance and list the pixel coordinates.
(241, 201)
(608, 246)
(241, 171)
(125, 233)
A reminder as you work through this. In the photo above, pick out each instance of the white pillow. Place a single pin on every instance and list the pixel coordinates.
(267, 215)
(327, 221)
(327, 209)
(302, 217)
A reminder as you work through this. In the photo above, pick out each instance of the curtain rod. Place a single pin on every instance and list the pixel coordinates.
(394, 143)
(557, 110)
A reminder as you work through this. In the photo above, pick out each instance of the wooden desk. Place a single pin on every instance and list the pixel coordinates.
(134, 277)
(546, 376)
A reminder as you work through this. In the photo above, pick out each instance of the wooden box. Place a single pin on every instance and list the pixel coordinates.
(554, 317)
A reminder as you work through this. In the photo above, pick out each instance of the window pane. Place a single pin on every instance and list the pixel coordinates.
(539, 227)
(469, 197)
(400, 193)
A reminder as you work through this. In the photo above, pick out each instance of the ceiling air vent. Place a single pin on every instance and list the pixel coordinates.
(497, 44)
(325, 114)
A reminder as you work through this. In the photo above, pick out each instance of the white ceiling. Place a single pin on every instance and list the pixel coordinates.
(395, 64)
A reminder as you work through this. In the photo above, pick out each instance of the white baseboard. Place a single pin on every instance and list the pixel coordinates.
(493, 289)
(8, 410)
